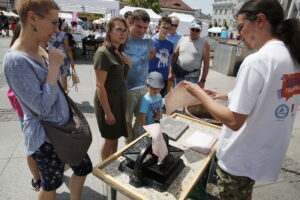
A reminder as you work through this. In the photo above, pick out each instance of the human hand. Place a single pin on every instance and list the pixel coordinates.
(193, 88)
(110, 119)
(216, 95)
(170, 77)
(56, 58)
(72, 65)
(126, 60)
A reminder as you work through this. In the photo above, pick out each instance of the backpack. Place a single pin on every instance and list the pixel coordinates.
(15, 103)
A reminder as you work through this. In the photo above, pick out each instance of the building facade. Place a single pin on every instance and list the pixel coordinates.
(225, 10)
(7, 5)
(169, 6)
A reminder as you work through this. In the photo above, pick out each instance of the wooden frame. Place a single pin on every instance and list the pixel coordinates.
(121, 187)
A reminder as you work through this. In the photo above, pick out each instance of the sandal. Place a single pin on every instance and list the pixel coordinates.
(35, 185)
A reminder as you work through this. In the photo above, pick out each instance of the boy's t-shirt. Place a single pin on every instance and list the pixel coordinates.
(152, 108)
(161, 61)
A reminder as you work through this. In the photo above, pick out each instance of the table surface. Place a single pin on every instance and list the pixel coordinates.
(195, 165)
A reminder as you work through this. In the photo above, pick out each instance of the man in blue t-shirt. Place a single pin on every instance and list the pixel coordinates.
(164, 50)
(140, 50)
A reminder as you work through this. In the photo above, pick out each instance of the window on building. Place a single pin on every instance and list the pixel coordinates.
(220, 11)
(216, 11)
(225, 11)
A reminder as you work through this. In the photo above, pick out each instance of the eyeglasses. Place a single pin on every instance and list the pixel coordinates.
(240, 27)
(165, 28)
(195, 30)
(120, 30)
(54, 23)
(174, 25)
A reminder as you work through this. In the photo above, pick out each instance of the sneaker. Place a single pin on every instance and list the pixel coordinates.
(35, 185)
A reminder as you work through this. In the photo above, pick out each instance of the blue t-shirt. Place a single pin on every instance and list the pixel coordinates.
(39, 100)
(138, 51)
(161, 61)
(173, 38)
(152, 108)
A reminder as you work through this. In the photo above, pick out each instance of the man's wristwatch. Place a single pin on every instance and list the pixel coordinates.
(202, 80)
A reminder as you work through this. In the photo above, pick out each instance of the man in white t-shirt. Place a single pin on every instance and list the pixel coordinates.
(262, 106)
(189, 54)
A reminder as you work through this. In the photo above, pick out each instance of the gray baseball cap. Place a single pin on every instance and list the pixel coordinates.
(156, 80)
(196, 24)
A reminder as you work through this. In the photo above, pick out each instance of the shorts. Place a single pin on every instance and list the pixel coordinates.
(233, 187)
(51, 168)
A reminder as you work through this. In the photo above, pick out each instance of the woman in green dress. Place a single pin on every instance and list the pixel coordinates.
(111, 67)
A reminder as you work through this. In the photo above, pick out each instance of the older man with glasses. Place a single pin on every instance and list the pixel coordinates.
(188, 56)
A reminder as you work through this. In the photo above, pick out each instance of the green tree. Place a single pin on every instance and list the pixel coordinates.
(210, 25)
(153, 4)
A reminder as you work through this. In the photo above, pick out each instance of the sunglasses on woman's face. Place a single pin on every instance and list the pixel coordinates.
(174, 25)
(195, 30)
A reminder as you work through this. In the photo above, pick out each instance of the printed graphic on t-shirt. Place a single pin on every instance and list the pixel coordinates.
(282, 111)
(163, 57)
(155, 109)
(290, 86)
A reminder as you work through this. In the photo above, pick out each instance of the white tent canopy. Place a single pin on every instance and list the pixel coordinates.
(90, 6)
(9, 14)
(215, 30)
(103, 20)
(153, 16)
(185, 21)
(67, 16)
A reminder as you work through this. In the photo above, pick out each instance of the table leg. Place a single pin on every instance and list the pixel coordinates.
(111, 193)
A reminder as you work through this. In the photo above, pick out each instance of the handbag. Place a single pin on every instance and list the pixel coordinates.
(180, 72)
(75, 79)
(73, 139)
(15, 103)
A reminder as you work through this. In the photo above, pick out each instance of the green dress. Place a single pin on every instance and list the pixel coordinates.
(111, 62)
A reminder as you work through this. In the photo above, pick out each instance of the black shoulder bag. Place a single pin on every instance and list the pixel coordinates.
(73, 139)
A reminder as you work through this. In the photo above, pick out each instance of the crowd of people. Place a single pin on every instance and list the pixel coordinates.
(132, 76)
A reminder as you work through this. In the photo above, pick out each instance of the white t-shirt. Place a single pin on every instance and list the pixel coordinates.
(268, 91)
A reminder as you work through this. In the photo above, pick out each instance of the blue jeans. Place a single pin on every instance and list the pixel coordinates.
(190, 79)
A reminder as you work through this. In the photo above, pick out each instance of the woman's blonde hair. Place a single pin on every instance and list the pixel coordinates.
(38, 6)
(109, 28)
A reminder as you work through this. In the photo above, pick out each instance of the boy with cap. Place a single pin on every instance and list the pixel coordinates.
(151, 103)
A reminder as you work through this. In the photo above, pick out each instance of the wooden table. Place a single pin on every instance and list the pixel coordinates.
(195, 165)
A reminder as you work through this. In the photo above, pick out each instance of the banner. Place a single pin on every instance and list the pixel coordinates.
(74, 16)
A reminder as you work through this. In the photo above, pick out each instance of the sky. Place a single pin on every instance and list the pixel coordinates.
(204, 5)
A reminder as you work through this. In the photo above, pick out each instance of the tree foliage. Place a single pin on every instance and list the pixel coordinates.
(153, 4)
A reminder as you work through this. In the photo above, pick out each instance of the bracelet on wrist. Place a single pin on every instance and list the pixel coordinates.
(202, 81)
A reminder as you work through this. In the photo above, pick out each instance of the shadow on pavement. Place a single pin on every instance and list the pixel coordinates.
(85, 107)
